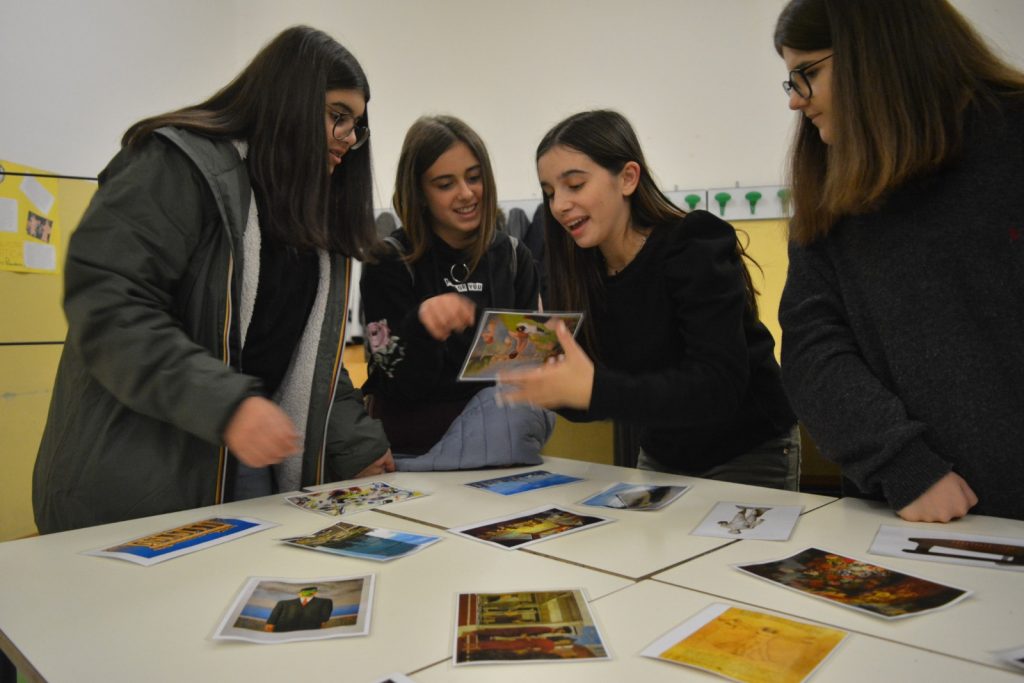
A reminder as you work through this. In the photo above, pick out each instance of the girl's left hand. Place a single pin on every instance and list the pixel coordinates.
(563, 382)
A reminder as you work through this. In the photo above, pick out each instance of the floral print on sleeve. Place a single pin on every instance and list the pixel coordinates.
(385, 353)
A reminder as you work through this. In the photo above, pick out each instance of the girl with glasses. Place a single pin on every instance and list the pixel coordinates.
(206, 291)
(903, 311)
(447, 262)
(671, 341)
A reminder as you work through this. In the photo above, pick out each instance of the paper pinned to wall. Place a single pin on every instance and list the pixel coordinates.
(29, 220)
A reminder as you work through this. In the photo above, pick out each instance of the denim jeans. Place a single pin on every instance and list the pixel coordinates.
(774, 463)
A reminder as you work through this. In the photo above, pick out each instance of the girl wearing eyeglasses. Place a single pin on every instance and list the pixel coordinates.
(447, 262)
(903, 311)
(206, 291)
(671, 341)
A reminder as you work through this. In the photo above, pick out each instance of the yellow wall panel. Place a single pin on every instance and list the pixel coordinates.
(30, 303)
(26, 383)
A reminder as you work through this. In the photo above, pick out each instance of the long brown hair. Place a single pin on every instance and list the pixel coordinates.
(277, 105)
(574, 274)
(904, 73)
(427, 139)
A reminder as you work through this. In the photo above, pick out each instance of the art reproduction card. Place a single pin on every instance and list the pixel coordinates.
(353, 540)
(514, 340)
(1013, 656)
(394, 678)
(858, 585)
(527, 528)
(748, 646)
(521, 483)
(526, 626)
(624, 496)
(182, 540)
(750, 520)
(279, 610)
(937, 545)
(344, 500)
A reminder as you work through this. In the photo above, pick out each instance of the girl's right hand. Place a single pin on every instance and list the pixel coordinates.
(447, 313)
(260, 433)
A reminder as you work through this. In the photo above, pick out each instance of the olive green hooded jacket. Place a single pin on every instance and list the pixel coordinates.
(147, 381)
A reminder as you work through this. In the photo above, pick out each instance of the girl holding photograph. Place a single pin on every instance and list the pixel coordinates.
(433, 276)
(206, 291)
(904, 306)
(671, 340)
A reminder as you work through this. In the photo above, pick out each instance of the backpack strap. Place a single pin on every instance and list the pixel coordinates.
(394, 242)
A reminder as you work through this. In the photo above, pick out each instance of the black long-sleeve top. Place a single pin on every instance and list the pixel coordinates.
(682, 355)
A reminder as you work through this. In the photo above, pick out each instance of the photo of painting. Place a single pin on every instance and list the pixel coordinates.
(520, 627)
(182, 540)
(520, 483)
(855, 584)
(514, 340)
(352, 540)
(750, 520)
(748, 646)
(339, 501)
(625, 496)
(526, 528)
(996, 552)
(278, 610)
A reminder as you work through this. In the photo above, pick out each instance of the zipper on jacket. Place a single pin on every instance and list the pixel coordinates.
(321, 456)
(222, 452)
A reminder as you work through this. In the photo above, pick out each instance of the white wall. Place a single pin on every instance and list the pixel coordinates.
(698, 78)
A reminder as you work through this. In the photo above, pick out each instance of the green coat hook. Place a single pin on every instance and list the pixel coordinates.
(785, 195)
(692, 200)
(722, 198)
(753, 196)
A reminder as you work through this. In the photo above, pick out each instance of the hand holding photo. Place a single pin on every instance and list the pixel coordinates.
(352, 540)
(182, 540)
(277, 610)
(748, 646)
(526, 528)
(854, 584)
(340, 501)
(514, 340)
(750, 520)
(524, 626)
(997, 552)
(625, 496)
(521, 483)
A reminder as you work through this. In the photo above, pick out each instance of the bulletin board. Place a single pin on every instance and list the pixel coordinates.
(29, 224)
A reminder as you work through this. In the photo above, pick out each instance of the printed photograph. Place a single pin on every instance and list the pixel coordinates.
(521, 483)
(514, 340)
(278, 610)
(747, 646)
(1013, 656)
(38, 226)
(182, 540)
(526, 528)
(625, 496)
(339, 501)
(352, 540)
(525, 627)
(995, 552)
(855, 584)
(750, 520)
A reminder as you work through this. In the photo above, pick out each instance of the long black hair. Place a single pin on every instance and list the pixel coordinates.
(277, 105)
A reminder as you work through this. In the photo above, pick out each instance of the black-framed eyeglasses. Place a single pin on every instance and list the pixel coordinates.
(799, 82)
(345, 125)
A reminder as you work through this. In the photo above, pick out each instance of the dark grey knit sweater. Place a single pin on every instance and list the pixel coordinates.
(903, 330)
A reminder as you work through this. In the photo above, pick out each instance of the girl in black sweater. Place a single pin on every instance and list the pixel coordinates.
(671, 340)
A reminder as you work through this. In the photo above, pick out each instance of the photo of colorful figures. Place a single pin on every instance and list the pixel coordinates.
(625, 496)
(279, 610)
(182, 540)
(521, 483)
(858, 585)
(526, 528)
(352, 540)
(514, 340)
(525, 627)
(339, 501)
(747, 646)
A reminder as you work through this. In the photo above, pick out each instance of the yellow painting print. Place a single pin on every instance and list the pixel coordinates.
(756, 648)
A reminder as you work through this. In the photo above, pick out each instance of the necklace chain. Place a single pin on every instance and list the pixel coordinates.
(616, 271)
